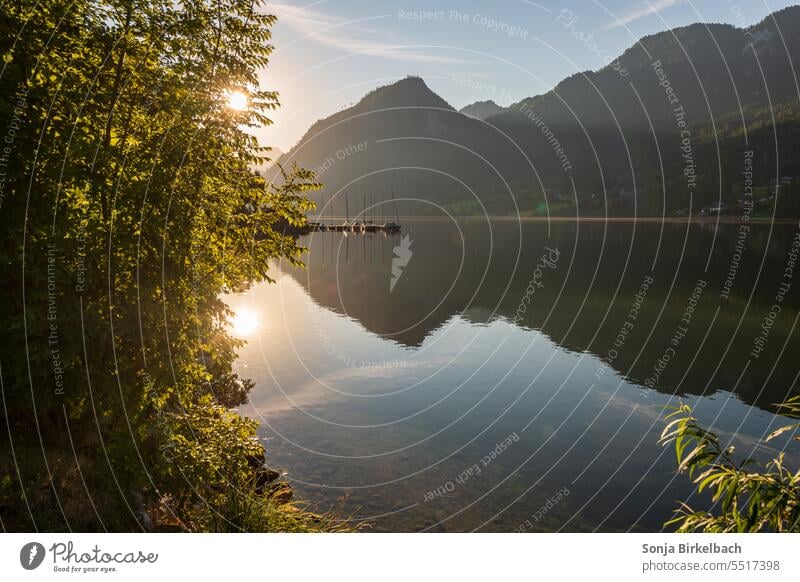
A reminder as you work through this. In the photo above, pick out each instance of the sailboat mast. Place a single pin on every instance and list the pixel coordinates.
(396, 218)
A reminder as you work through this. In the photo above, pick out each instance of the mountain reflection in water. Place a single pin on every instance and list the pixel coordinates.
(565, 339)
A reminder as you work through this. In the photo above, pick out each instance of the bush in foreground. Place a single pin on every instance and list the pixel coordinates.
(748, 496)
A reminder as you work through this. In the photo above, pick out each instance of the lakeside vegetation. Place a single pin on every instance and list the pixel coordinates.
(748, 496)
(130, 207)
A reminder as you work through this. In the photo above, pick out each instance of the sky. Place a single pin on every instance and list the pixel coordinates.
(329, 53)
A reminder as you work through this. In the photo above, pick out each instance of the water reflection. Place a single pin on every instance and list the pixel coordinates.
(245, 322)
(481, 272)
(376, 396)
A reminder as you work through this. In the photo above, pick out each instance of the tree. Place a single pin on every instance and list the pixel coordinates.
(130, 206)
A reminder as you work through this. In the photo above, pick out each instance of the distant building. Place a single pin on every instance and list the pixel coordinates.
(721, 208)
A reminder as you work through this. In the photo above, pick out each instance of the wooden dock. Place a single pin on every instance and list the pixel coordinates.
(353, 227)
(368, 222)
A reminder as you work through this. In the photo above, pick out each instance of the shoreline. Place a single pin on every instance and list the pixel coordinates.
(644, 219)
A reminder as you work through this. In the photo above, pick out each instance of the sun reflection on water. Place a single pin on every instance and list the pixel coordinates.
(245, 322)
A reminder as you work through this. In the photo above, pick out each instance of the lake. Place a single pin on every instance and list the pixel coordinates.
(514, 376)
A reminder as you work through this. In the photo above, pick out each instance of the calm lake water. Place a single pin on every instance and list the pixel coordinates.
(516, 375)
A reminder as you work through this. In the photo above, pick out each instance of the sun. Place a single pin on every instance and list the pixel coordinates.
(237, 100)
(244, 322)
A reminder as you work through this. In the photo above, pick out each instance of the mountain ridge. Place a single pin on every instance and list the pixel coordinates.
(481, 109)
(587, 145)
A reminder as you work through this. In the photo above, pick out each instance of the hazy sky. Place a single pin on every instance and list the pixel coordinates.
(329, 53)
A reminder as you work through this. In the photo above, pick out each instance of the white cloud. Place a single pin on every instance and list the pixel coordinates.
(641, 10)
(352, 36)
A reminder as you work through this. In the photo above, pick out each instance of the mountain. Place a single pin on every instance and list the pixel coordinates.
(402, 139)
(711, 69)
(676, 113)
(481, 109)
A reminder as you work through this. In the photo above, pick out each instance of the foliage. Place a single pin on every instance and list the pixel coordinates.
(237, 509)
(748, 497)
(130, 203)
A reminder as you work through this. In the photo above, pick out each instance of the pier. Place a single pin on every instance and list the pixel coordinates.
(366, 223)
(353, 227)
